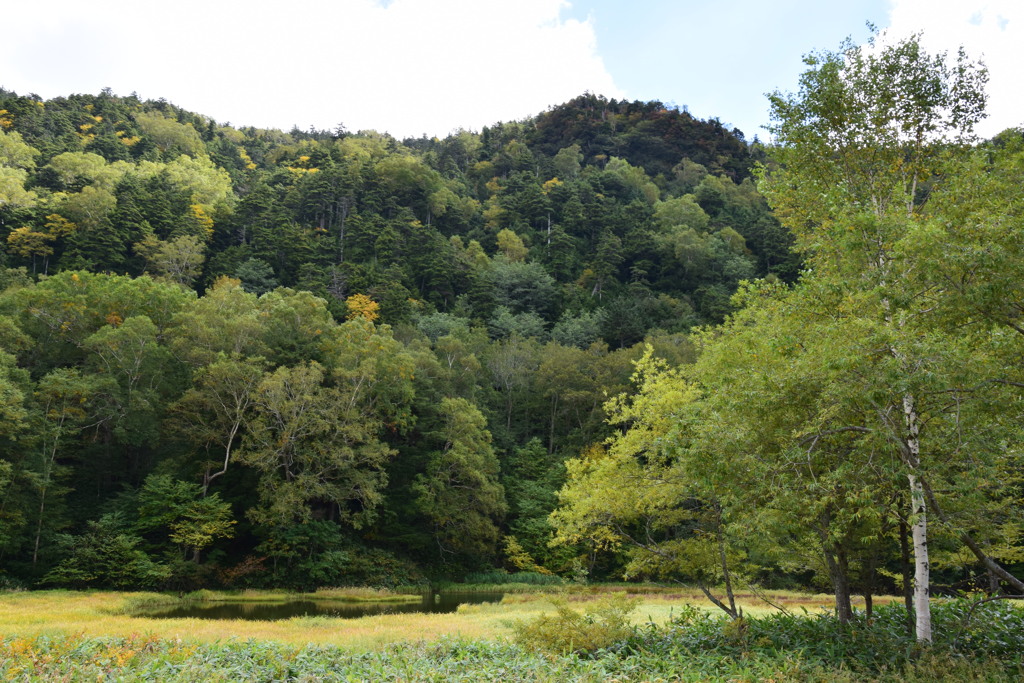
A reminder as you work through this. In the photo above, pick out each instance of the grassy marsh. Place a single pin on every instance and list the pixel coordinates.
(57, 635)
(107, 613)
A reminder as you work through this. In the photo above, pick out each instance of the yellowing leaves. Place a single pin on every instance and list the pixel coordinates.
(27, 243)
(550, 185)
(202, 219)
(362, 306)
(246, 159)
(302, 166)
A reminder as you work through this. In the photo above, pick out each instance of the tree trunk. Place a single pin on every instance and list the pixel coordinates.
(725, 568)
(905, 570)
(837, 571)
(919, 521)
(919, 531)
(39, 527)
(870, 578)
(993, 583)
(835, 560)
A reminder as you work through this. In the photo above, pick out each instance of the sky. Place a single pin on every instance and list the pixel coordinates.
(430, 67)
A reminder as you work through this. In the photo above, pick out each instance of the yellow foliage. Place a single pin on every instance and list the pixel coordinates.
(633, 480)
(520, 558)
(593, 452)
(202, 219)
(57, 226)
(25, 242)
(6, 119)
(511, 245)
(554, 182)
(244, 156)
(361, 306)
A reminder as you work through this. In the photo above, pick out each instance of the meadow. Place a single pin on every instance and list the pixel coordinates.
(665, 634)
(108, 613)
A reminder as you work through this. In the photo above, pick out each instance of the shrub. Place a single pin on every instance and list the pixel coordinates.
(569, 630)
(880, 645)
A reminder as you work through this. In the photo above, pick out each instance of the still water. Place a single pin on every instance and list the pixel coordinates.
(271, 611)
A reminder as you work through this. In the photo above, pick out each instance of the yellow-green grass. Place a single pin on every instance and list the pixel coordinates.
(97, 613)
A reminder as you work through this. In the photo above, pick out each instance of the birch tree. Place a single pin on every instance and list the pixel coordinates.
(861, 148)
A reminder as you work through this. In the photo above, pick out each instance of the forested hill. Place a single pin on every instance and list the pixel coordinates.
(639, 213)
(410, 339)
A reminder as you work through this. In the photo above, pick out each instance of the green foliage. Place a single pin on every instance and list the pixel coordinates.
(317, 554)
(866, 647)
(501, 577)
(459, 492)
(182, 514)
(595, 628)
(646, 479)
(257, 276)
(311, 445)
(107, 555)
(519, 268)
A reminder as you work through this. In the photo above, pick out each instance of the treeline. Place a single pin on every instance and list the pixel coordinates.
(153, 437)
(246, 357)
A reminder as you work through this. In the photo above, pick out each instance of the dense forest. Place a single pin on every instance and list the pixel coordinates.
(241, 357)
(264, 358)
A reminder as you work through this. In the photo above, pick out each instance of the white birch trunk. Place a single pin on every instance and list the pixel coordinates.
(919, 530)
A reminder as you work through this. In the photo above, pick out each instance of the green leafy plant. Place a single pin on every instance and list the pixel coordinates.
(569, 630)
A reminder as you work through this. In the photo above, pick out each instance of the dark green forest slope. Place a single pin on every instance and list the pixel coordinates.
(248, 357)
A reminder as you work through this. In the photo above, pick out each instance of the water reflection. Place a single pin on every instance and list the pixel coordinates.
(272, 611)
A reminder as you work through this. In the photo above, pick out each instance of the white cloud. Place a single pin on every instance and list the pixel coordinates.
(990, 30)
(405, 66)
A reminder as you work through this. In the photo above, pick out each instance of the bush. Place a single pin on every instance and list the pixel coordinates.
(9, 584)
(994, 633)
(596, 628)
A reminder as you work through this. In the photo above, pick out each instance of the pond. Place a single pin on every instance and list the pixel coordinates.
(276, 610)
